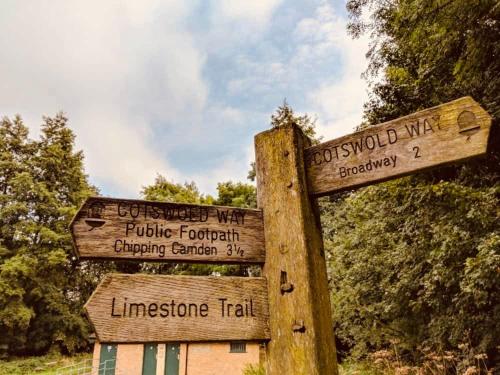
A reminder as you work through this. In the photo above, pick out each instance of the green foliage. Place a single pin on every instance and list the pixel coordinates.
(429, 52)
(360, 368)
(416, 260)
(165, 191)
(236, 194)
(42, 184)
(44, 365)
(285, 116)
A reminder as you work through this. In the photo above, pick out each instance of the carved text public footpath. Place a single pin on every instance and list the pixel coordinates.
(143, 230)
(448, 133)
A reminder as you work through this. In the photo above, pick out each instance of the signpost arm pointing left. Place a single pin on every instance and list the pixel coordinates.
(127, 229)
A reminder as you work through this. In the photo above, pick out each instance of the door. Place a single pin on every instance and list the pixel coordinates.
(149, 359)
(172, 358)
(107, 359)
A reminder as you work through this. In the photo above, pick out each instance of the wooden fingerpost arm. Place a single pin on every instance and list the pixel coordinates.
(302, 340)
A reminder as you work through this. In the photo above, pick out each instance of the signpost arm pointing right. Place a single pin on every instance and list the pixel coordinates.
(444, 134)
(302, 340)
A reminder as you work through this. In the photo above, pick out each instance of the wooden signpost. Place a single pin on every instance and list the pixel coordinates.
(302, 340)
(290, 174)
(109, 228)
(156, 308)
(447, 133)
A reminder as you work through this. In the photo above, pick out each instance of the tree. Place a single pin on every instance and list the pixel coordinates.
(236, 194)
(285, 116)
(415, 262)
(425, 53)
(429, 52)
(414, 259)
(165, 191)
(43, 184)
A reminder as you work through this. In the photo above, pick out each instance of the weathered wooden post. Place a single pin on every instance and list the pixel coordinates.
(302, 340)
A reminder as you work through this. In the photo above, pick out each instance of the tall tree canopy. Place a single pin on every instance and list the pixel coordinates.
(236, 194)
(166, 191)
(429, 52)
(42, 184)
(416, 260)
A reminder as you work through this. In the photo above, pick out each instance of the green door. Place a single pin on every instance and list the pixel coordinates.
(107, 359)
(172, 359)
(149, 359)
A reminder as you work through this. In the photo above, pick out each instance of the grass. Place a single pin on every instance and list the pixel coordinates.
(43, 365)
(48, 364)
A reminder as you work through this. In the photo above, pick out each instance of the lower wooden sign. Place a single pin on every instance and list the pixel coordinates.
(156, 308)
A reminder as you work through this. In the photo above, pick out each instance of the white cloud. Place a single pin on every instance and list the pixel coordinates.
(257, 12)
(337, 101)
(133, 78)
(114, 67)
(234, 23)
(338, 94)
(259, 77)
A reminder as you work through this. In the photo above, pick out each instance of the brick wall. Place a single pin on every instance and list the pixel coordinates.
(129, 359)
(95, 358)
(215, 359)
(199, 358)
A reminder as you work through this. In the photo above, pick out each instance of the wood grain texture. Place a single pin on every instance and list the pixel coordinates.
(300, 316)
(448, 133)
(110, 228)
(138, 308)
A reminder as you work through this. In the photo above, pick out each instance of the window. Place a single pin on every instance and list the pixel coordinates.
(238, 347)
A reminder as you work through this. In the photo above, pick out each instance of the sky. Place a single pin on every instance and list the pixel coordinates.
(174, 87)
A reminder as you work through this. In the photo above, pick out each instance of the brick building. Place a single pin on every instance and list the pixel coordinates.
(227, 358)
